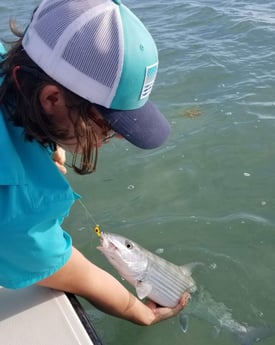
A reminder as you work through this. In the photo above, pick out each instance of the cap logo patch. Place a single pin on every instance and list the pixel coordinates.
(150, 76)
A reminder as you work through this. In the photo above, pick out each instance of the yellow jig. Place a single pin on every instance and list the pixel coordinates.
(97, 230)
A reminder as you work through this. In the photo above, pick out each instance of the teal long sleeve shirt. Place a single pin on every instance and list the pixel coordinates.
(34, 199)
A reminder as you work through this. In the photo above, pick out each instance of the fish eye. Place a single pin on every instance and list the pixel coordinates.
(128, 245)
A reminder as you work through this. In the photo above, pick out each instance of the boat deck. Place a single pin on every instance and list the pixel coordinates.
(41, 316)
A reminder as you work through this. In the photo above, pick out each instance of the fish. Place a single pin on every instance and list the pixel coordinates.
(164, 283)
(153, 277)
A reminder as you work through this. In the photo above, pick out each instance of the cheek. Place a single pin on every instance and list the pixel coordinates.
(119, 136)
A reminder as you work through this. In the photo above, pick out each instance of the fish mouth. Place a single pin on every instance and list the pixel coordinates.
(105, 243)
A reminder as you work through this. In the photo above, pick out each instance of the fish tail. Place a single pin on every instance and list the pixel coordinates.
(254, 335)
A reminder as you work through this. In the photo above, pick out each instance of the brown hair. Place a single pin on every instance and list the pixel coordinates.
(20, 98)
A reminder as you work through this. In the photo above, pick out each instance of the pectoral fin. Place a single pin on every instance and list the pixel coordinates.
(143, 289)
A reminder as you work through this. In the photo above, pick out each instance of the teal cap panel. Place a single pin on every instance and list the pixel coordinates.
(140, 64)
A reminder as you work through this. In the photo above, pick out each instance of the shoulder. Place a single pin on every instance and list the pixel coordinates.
(11, 171)
(30, 182)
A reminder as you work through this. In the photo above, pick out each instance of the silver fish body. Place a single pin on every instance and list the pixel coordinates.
(152, 276)
(164, 283)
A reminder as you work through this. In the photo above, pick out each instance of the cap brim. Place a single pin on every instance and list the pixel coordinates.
(145, 127)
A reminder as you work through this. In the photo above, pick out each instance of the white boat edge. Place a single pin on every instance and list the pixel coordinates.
(38, 315)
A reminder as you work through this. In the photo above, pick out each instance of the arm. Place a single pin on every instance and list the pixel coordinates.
(81, 277)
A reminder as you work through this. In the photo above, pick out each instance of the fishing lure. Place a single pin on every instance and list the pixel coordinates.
(97, 230)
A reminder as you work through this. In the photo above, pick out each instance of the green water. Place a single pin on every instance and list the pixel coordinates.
(208, 194)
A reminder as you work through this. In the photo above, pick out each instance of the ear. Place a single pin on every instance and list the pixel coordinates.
(51, 99)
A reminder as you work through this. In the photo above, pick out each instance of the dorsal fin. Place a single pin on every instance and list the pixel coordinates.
(188, 268)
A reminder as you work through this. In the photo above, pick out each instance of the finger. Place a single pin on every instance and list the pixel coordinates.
(59, 155)
(185, 298)
(61, 168)
(182, 303)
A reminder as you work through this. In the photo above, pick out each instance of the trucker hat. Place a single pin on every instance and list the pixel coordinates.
(101, 51)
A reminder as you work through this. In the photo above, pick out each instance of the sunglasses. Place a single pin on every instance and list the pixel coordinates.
(107, 129)
(111, 134)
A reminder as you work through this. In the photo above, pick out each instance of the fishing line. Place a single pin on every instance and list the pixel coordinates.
(88, 214)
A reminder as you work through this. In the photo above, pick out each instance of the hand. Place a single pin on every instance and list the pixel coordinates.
(162, 313)
(59, 158)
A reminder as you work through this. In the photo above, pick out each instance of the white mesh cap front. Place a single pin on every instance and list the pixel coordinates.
(79, 43)
(102, 52)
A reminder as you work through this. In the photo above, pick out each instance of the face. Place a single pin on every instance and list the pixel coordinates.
(102, 132)
(64, 118)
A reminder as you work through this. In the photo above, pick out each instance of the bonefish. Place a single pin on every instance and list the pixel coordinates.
(164, 283)
(160, 280)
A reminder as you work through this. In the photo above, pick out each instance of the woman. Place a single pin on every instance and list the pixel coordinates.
(81, 74)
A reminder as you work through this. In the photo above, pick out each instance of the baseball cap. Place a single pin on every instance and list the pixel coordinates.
(101, 51)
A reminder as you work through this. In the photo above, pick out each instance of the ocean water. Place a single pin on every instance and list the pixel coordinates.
(208, 194)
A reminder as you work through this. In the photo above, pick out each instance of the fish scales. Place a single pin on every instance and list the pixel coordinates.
(168, 286)
(169, 274)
